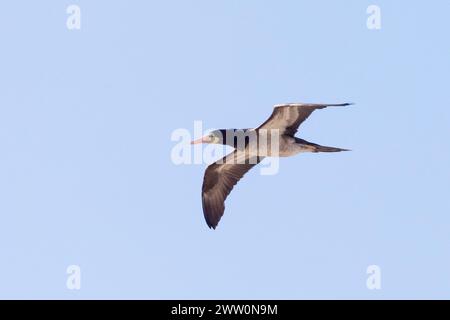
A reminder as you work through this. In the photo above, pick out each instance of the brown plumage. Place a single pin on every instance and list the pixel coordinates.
(221, 176)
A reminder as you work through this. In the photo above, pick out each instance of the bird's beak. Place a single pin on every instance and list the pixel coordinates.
(201, 140)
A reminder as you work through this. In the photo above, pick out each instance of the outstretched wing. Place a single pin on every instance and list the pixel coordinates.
(288, 117)
(220, 178)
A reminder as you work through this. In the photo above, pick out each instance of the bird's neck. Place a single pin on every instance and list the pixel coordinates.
(236, 138)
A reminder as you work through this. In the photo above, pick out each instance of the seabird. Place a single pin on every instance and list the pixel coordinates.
(274, 138)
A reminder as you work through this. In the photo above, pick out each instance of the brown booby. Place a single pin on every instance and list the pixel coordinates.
(274, 138)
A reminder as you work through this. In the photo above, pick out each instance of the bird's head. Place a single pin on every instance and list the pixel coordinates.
(215, 136)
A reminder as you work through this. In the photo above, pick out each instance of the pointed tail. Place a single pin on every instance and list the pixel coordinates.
(314, 147)
(319, 148)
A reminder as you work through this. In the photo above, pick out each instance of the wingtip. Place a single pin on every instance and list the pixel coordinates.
(341, 104)
(211, 225)
(306, 104)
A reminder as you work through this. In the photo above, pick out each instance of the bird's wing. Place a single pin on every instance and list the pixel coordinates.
(220, 178)
(288, 117)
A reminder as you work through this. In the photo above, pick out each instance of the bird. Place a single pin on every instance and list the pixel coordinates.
(274, 138)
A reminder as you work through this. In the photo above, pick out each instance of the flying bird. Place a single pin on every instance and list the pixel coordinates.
(274, 138)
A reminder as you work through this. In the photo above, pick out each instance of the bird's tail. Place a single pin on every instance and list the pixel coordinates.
(319, 148)
(314, 147)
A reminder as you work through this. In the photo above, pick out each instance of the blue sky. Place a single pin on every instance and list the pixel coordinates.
(86, 176)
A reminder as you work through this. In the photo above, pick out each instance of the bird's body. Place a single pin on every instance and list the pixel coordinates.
(274, 138)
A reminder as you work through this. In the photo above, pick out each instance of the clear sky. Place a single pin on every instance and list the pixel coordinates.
(86, 176)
